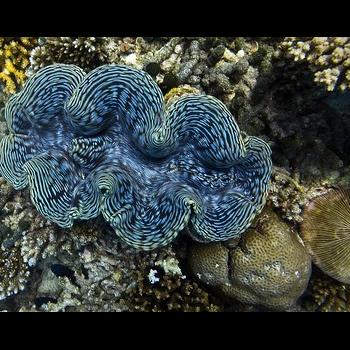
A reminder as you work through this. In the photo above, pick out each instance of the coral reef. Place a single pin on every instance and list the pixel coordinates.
(304, 126)
(216, 66)
(105, 145)
(171, 294)
(86, 52)
(13, 271)
(175, 93)
(5, 192)
(19, 222)
(287, 195)
(14, 60)
(270, 97)
(327, 57)
(269, 266)
(327, 295)
(89, 270)
(326, 233)
(91, 52)
(170, 291)
(274, 89)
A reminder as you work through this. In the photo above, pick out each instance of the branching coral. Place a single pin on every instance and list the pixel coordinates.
(327, 295)
(287, 195)
(213, 65)
(169, 289)
(14, 60)
(171, 293)
(87, 52)
(14, 272)
(102, 142)
(327, 57)
(89, 270)
(20, 225)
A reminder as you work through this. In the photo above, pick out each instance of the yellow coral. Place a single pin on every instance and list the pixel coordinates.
(176, 93)
(14, 59)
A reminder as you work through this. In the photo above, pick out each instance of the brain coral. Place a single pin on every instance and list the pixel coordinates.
(269, 267)
(103, 142)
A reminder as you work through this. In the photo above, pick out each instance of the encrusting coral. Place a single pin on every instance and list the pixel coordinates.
(326, 233)
(106, 145)
(268, 267)
(14, 60)
(175, 93)
(327, 57)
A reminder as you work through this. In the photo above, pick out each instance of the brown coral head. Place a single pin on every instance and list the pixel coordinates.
(269, 267)
(326, 233)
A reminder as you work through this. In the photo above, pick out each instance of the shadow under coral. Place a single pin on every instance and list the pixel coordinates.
(306, 126)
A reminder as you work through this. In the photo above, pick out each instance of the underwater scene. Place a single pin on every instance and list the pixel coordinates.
(186, 174)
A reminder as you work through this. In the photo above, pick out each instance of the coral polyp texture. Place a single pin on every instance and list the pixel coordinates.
(326, 233)
(269, 266)
(103, 143)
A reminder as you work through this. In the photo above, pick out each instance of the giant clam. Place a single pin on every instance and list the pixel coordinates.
(103, 143)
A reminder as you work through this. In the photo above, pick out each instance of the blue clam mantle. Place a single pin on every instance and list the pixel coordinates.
(103, 143)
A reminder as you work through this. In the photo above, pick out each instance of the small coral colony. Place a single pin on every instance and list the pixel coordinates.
(175, 147)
